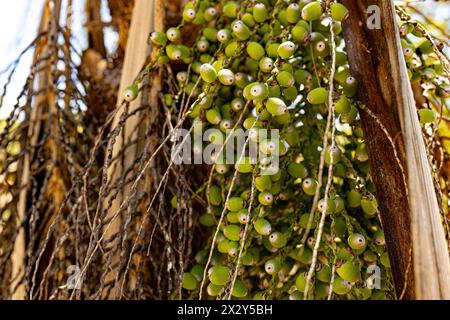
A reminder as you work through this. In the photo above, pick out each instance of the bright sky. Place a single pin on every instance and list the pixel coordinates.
(20, 19)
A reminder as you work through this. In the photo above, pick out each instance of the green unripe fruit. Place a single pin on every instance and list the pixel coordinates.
(286, 50)
(235, 204)
(213, 116)
(324, 274)
(182, 77)
(327, 207)
(197, 272)
(265, 198)
(353, 199)
(321, 290)
(303, 77)
(370, 256)
(344, 254)
(384, 259)
(158, 38)
(425, 47)
(300, 282)
(249, 123)
(174, 202)
(272, 50)
(244, 165)
(361, 152)
(309, 186)
(255, 50)
(379, 239)
(230, 9)
(260, 12)
(293, 13)
(443, 91)
(269, 147)
(266, 64)
(336, 152)
(189, 281)
(406, 28)
(263, 183)
(278, 239)
(285, 79)
(173, 34)
(312, 11)
(350, 86)
(299, 34)
(219, 275)
(239, 289)
(291, 136)
(189, 14)
(356, 241)
(297, 170)
(321, 49)
(338, 11)
(339, 204)
(317, 96)
(215, 197)
(202, 46)
(130, 93)
(272, 266)
(248, 259)
(256, 91)
(174, 52)
(213, 290)
(207, 220)
(248, 19)
(296, 295)
(210, 34)
(240, 30)
(210, 14)
(408, 53)
(208, 73)
(243, 216)
(223, 35)
(363, 293)
(341, 286)
(348, 271)
(233, 217)
(341, 58)
(341, 74)
(426, 116)
(304, 218)
(369, 205)
(237, 104)
(276, 106)
(290, 94)
(263, 227)
(343, 105)
(226, 77)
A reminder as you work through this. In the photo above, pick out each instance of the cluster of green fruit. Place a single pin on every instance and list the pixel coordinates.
(265, 65)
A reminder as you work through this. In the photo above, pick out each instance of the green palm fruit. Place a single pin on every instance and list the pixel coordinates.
(293, 13)
(406, 29)
(255, 50)
(221, 168)
(210, 14)
(158, 38)
(356, 241)
(243, 216)
(173, 34)
(223, 35)
(336, 152)
(248, 19)
(299, 34)
(235, 204)
(343, 105)
(425, 47)
(426, 116)
(384, 259)
(237, 104)
(379, 239)
(349, 271)
(290, 94)
(344, 254)
(251, 65)
(339, 204)
(248, 259)
(341, 74)
(321, 49)
(327, 207)
(353, 199)
(230, 9)
(265, 198)
(340, 226)
(269, 146)
(239, 289)
(304, 218)
(363, 293)
(408, 53)
(296, 295)
(131, 93)
(232, 49)
(370, 257)
(341, 58)
(338, 11)
(350, 86)
(278, 239)
(309, 186)
(285, 79)
(213, 290)
(291, 136)
(341, 286)
(300, 282)
(272, 266)
(233, 217)
(276, 106)
(303, 77)
(208, 73)
(266, 64)
(321, 290)
(369, 205)
(262, 226)
(297, 170)
(215, 197)
(281, 19)
(205, 102)
(443, 91)
(207, 220)
(272, 49)
(240, 30)
(197, 271)
(312, 11)
(263, 183)
(223, 245)
(174, 202)
(210, 34)
(189, 281)
(361, 152)
(260, 12)
(317, 96)
(244, 165)
(232, 248)
(286, 50)
(189, 14)
(324, 274)
(174, 52)
(219, 275)
(213, 116)
(226, 77)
